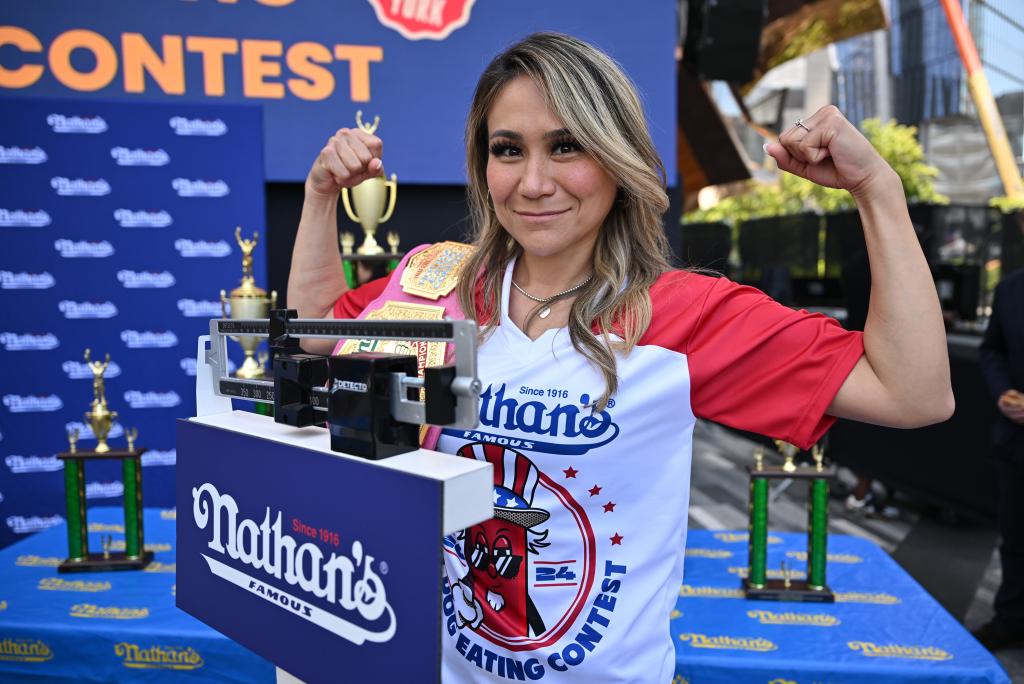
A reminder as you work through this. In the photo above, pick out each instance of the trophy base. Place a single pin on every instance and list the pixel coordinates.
(95, 562)
(798, 592)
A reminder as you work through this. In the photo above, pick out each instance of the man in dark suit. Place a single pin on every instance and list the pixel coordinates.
(1002, 362)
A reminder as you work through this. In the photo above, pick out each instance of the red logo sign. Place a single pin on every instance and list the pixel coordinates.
(418, 19)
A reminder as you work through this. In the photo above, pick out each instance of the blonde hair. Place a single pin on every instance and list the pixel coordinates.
(599, 106)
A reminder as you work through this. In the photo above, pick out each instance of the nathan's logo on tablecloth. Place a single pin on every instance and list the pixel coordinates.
(728, 643)
(20, 524)
(710, 592)
(128, 218)
(91, 610)
(772, 573)
(417, 19)
(742, 537)
(879, 598)
(79, 370)
(138, 399)
(80, 187)
(33, 464)
(22, 155)
(85, 431)
(158, 657)
(767, 617)
(32, 403)
(832, 557)
(708, 553)
(135, 156)
(83, 249)
(200, 188)
(119, 545)
(73, 309)
(199, 308)
(58, 584)
(9, 280)
(23, 218)
(29, 341)
(104, 490)
(871, 650)
(349, 581)
(169, 514)
(25, 650)
(140, 279)
(156, 457)
(148, 339)
(202, 248)
(106, 527)
(76, 124)
(157, 566)
(34, 561)
(207, 127)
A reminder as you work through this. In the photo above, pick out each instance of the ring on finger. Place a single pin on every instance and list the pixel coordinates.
(800, 124)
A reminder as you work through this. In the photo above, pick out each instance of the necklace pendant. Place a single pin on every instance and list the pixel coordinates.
(544, 312)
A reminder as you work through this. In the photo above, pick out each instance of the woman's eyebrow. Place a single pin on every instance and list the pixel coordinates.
(505, 134)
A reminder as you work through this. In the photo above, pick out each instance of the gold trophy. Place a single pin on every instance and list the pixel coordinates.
(369, 197)
(248, 301)
(99, 416)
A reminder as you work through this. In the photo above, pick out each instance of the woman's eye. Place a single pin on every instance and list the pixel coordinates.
(567, 147)
(504, 150)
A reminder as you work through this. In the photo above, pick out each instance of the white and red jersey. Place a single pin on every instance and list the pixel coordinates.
(574, 578)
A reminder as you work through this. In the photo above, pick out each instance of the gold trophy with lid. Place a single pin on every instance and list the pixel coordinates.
(247, 302)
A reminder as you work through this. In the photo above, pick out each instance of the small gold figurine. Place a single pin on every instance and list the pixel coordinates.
(73, 440)
(818, 454)
(369, 128)
(107, 541)
(787, 579)
(98, 368)
(247, 246)
(131, 436)
(393, 241)
(759, 459)
(99, 417)
(348, 241)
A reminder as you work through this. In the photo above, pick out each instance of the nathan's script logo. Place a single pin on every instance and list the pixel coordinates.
(22, 155)
(32, 403)
(872, 650)
(76, 124)
(23, 218)
(158, 657)
(73, 309)
(143, 218)
(145, 339)
(78, 249)
(103, 490)
(264, 548)
(139, 279)
(157, 457)
(200, 188)
(28, 341)
(139, 157)
(33, 464)
(80, 187)
(25, 650)
(143, 400)
(202, 248)
(208, 127)
(189, 363)
(20, 524)
(9, 280)
(199, 308)
(578, 427)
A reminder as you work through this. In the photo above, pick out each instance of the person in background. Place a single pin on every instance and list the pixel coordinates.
(1002, 363)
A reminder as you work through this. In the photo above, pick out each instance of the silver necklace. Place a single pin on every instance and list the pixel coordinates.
(546, 301)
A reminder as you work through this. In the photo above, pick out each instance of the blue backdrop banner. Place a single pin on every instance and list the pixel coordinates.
(117, 222)
(313, 63)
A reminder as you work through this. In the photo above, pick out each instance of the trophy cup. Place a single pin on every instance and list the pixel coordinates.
(100, 419)
(247, 302)
(373, 206)
(756, 585)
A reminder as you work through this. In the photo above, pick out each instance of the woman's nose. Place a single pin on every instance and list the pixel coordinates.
(536, 180)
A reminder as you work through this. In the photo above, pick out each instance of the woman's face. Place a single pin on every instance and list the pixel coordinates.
(548, 194)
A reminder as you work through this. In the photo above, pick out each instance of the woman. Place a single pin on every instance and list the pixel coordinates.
(597, 356)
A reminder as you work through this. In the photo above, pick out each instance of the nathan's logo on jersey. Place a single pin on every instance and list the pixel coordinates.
(83, 249)
(147, 339)
(144, 400)
(20, 524)
(188, 364)
(202, 308)
(202, 248)
(348, 581)
(156, 457)
(127, 218)
(200, 188)
(80, 187)
(77, 370)
(103, 490)
(10, 280)
(138, 279)
(139, 157)
(417, 19)
(22, 155)
(33, 464)
(23, 218)
(206, 127)
(29, 341)
(76, 124)
(577, 426)
(33, 403)
(85, 431)
(72, 309)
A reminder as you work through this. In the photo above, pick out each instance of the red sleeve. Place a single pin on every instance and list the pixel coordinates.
(351, 303)
(754, 364)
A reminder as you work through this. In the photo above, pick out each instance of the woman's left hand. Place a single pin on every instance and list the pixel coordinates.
(830, 151)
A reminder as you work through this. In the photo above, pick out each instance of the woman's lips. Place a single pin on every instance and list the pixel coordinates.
(539, 216)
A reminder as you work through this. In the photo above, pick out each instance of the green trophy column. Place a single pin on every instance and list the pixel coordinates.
(817, 533)
(758, 542)
(74, 496)
(132, 507)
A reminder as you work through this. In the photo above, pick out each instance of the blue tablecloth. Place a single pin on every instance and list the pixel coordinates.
(884, 628)
(108, 626)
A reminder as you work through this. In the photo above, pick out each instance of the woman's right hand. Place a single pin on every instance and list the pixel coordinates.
(350, 156)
